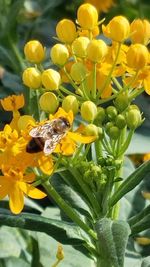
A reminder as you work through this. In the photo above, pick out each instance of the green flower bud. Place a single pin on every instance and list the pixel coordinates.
(111, 112)
(78, 72)
(131, 107)
(114, 132)
(49, 102)
(70, 103)
(108, 126)
(133, 118)
(100, 115)
(88, 111)
(122, 101)
(120, 121)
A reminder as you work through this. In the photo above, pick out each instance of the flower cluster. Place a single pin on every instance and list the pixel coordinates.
(88, 72)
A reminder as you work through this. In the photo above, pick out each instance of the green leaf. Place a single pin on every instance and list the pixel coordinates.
(131, 182)
(12, 261)
(66, 233)
(146, 262)
(142, 225)
(113, 237)
(71, 196)
(135, 219)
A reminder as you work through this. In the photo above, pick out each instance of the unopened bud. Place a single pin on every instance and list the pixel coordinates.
(122, 101)
(93, 130)
(79, 46)
(88, 111)
(59, 54)
(66, 31)
(34, 51)
(137, 56)
(32, 78)
(70, 102)
(114, 132)
(78, 72)
(120, 121)
(96, 50)
(51, 79)
(87, 16)
(111, 112)
(60, 252)
(24, 121)
(133, 119)
(49, 102)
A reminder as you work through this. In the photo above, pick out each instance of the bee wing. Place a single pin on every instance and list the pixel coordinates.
(49, 146)
(40, 131)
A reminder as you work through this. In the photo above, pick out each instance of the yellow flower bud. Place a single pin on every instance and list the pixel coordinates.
(87, 16)
(51, 79)
(32, 78)
(79, 46)
(118, 29)
(93, 130)
(78, 72)
(60, 252)
(66, 31)
(137, 56)
(34, 51)
(133, 119)
(96, 50)
(140, 31)
(24, 121)
(49, 102)
(59, 54)
(88, 111)
(70, 103)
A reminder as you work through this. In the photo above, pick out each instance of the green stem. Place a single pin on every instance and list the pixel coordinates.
(94, 82)
(118, 85)
(51, 192)
(136, 93)
(98, 148)
(66, 91)
(86, 190)
(70, 79)
(126, 143)
(102, 101)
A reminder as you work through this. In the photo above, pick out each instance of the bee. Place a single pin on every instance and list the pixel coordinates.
(46, 137)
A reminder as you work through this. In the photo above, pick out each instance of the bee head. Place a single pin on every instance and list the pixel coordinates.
(65, 121)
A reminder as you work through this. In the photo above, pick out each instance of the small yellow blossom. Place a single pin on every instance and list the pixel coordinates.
(66, 31)
(34, 51)
(93, 33)
(87, 16)
(78, 72)
(70, 102)
(79, 46)
(13, 102)
(88, 111)
(15, 184)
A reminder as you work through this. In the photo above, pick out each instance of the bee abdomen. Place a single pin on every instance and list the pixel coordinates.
(35, 145)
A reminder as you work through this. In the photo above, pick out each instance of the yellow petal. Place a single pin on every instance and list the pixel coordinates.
(46, 164)
(62, 113)
(31, 191)
(4, 187)
(16, 199)
(81, 138)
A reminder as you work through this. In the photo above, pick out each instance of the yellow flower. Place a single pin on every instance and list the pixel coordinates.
(100, 80)
(118, 29)
(140, 31)
(16, 185)
(102, 6)
(66, 31)
(34, 51)
(13, 102)
(93, 33)
(87, 16)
